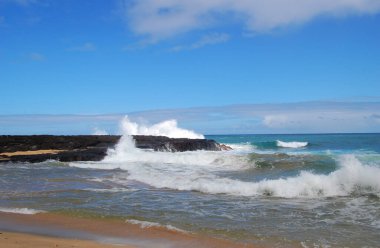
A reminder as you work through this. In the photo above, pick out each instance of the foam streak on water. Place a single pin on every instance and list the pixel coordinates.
(20, 210)
(149, 224)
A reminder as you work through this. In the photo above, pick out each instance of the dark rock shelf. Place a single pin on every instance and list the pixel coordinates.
(92, 147)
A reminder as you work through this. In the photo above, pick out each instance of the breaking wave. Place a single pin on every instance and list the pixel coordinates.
(293, 144)
(168, 128)
(351, 178)
(201, 171)
(198, 171)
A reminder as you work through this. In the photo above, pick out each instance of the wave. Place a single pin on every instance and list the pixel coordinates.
(293, 144)
(21, 210)
(168, 128)
(352, 177)
(242, 147)
(199, 171)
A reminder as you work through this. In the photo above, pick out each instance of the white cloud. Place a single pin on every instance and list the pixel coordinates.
(98, 131)
(275, 121)
(86, 47)
(205, 40)
(160, 19)
(304, 117)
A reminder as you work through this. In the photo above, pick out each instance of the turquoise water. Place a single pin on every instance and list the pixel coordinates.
(323, 191)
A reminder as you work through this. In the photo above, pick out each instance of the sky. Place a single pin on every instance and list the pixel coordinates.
(100, 60)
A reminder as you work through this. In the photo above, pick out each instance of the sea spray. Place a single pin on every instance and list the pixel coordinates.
(198, 171)
(168, 128)
(125, 151)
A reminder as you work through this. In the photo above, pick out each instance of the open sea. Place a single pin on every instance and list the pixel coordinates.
(320, 190)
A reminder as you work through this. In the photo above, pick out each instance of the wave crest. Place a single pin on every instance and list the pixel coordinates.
(292, 144)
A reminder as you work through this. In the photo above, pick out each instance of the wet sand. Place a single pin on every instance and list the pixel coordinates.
(22, 240)
(47, 230)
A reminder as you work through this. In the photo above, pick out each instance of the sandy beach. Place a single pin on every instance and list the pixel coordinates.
(37, 152)
(57, 230)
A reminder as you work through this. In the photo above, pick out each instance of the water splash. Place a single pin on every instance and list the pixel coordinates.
(168, 128)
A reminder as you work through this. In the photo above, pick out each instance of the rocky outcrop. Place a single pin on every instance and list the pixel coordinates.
(165, 144)
(89, 147)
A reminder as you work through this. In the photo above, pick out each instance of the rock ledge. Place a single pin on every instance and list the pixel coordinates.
(89, 147)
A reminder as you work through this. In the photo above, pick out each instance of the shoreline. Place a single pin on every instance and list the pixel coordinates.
(66, 230)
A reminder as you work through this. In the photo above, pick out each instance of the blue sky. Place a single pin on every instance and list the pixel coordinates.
(112, 57)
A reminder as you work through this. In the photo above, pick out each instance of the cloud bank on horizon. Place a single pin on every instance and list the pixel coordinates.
(305, 117)
(161, 19)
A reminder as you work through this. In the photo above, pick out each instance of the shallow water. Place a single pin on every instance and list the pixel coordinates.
(324, 194)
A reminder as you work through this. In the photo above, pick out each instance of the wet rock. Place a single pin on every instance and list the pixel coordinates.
(92, 147)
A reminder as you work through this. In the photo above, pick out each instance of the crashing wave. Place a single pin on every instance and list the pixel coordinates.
(352, 177)
(168, 128)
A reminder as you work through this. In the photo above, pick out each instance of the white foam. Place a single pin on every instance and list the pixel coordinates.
(358, 211)
(242, 147)
(293, 144)
(126, 152)
(168, 128)
(352, 177)
(148, 224)
(21, 210)
(112, 190)
(199, 171)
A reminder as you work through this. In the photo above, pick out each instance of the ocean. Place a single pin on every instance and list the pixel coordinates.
(308, 190)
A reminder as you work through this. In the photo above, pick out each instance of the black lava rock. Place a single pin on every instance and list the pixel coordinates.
(92, 147)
